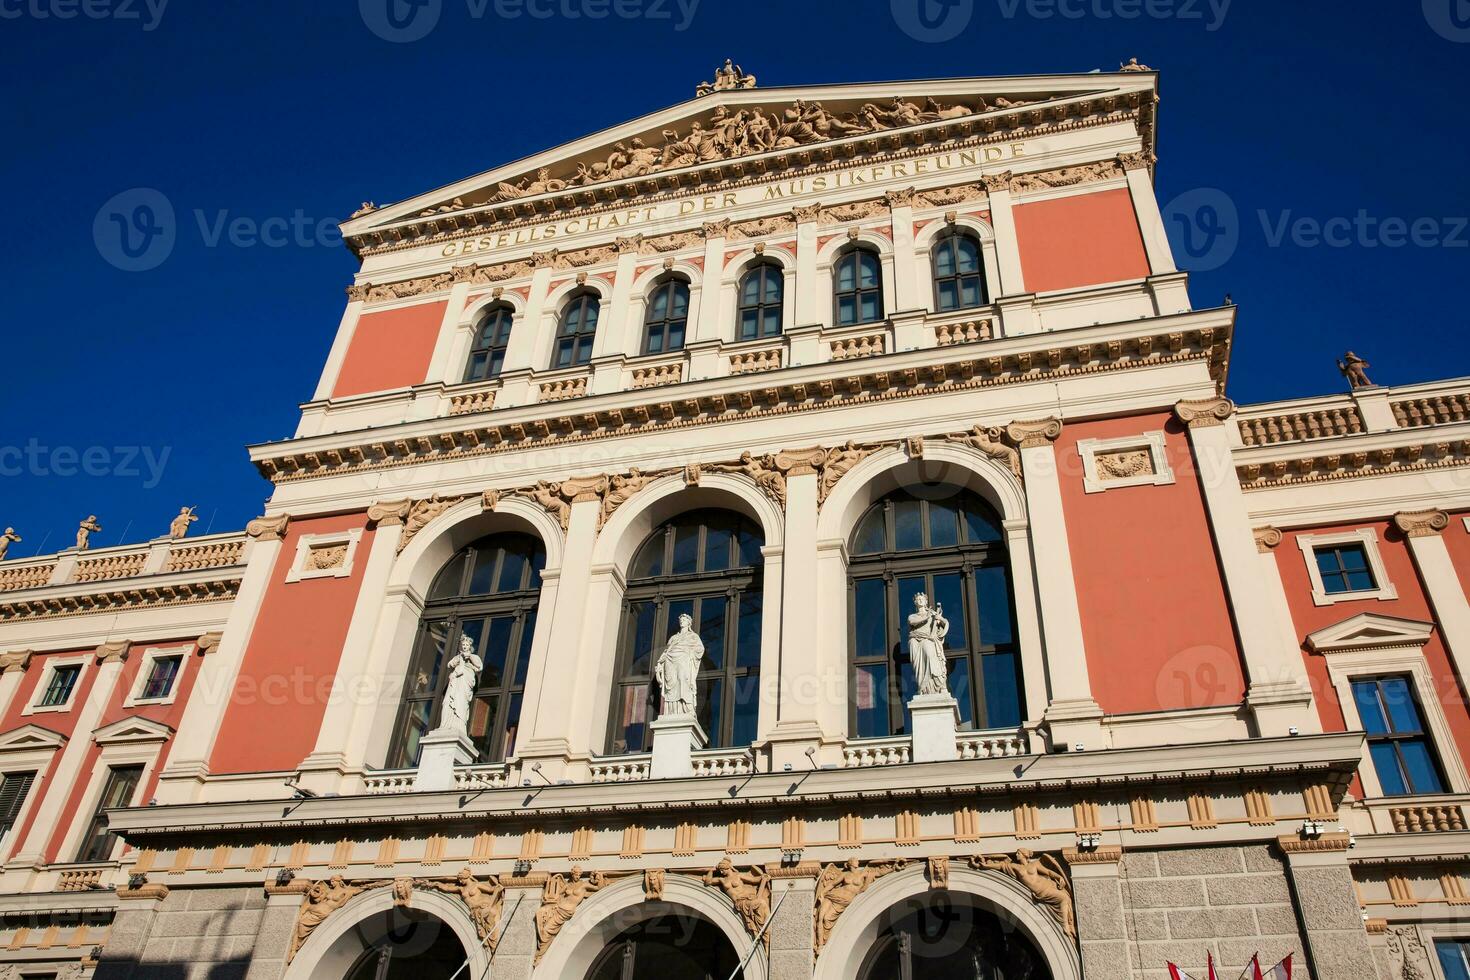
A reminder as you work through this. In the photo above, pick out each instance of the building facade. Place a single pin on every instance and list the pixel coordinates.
(686, 414)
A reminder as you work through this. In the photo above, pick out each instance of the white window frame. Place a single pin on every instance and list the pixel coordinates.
(1151, 442)
(143, 748)
(310, 542)
(1398, 650)
(151, 654)
(34, 706)
(38, 759)
(1368, 538)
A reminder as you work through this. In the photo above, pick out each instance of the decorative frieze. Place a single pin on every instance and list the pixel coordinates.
(151, 596)
(1066, 176)
(1320, 467)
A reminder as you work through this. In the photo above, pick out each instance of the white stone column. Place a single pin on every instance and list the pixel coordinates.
(1072, 714)
(1278, 694)
(803, 687)
(1028, 622)
(907, 294)
(338, 353)
(1007, 249)
(12, 671)
(442, 368)
(556, 721)
(1424, 529)
(613, 329)
(711, 305)
(358, 683)
(1267, 538)
(1146, 210)
(61, 781)
(808, 298)
(520, 352)
(188, 763)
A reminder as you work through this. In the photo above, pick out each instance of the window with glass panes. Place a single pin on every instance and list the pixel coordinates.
(947, 543)
(857, 283)
(122, 783)
(492, 338)
(14, 788)
(1454, 958)
(1344, 568)
(1403, 756)
(707, 564)
(162, 671)
(488, 592)
(576, 329)
(667, 317)
(959, 281)
(760, 302)
(62, 682)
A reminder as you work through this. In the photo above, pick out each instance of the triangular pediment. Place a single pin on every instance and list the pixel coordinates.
(1368, 631)
(31, 737)
(132, 730)
(756, 128)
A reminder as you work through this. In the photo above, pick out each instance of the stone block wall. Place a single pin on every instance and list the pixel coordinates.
(199, 934)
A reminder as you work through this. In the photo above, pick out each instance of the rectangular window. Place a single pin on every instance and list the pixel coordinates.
(1454, 958)
(14, 788)
(118, 790)
(161, 675)
(1402, 755)
(63, 682)
(1344, 568)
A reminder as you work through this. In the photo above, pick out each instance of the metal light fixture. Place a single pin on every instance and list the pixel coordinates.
(522, 868)
(136, 881)
(1311, 829)
(1088, 842)
(284, 877)
(790, 855)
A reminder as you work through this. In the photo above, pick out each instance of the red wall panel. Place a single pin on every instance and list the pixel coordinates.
(391, 349)
(276, 709)
(1082, 240)
(1155, 618)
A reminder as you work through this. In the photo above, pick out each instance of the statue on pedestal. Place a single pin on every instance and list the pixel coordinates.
(927, 630)
(6, 540)
(179, 526)
(678, 669)
(1354, 368)
(85, 530)
(464, 676)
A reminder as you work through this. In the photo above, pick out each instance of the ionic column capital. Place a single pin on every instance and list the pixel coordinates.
(1266, 539)
(17, 660)
(113, 651)
(1421, 523)
(268, 528)
(1201, 412)
(1034, 433)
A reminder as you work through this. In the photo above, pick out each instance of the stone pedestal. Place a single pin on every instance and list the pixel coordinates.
(675, 739)
(936, 716)
(439, 752)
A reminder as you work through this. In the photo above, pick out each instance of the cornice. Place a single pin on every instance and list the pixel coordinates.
(879, 379)
(1354, 456)
(1325, 844)
(152, 595)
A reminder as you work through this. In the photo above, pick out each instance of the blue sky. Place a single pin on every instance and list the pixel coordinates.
(129, 393)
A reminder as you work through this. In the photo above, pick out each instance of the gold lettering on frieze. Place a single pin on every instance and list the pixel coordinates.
(704, 204)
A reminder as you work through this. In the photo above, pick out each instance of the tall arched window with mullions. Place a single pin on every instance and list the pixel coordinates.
(487, 592)
(667, 317)
(947, 543)
(576, 328)
(857, 285)
(492, 337)
(959, 277)
(706, 564)
(759, 312)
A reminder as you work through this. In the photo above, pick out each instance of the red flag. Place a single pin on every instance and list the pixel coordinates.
(1282, 970)
(1210, 965)
(1177, 974)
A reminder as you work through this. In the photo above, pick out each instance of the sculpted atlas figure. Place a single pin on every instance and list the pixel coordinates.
(678, 668)
(927, 630)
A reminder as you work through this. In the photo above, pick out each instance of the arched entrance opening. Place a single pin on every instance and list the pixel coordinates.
(399, 944)
(948, 936)
(664, 947)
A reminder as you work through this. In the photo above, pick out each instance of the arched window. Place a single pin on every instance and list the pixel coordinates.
(492, 338)
(487, 592)
(576, 330)
(857, 283)
(706, 564)
(760, 302)
(959, 279)
(946, 543)
(667, 317)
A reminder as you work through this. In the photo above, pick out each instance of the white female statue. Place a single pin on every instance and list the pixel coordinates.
(678, 668)
(464, 676)
(927, 630)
